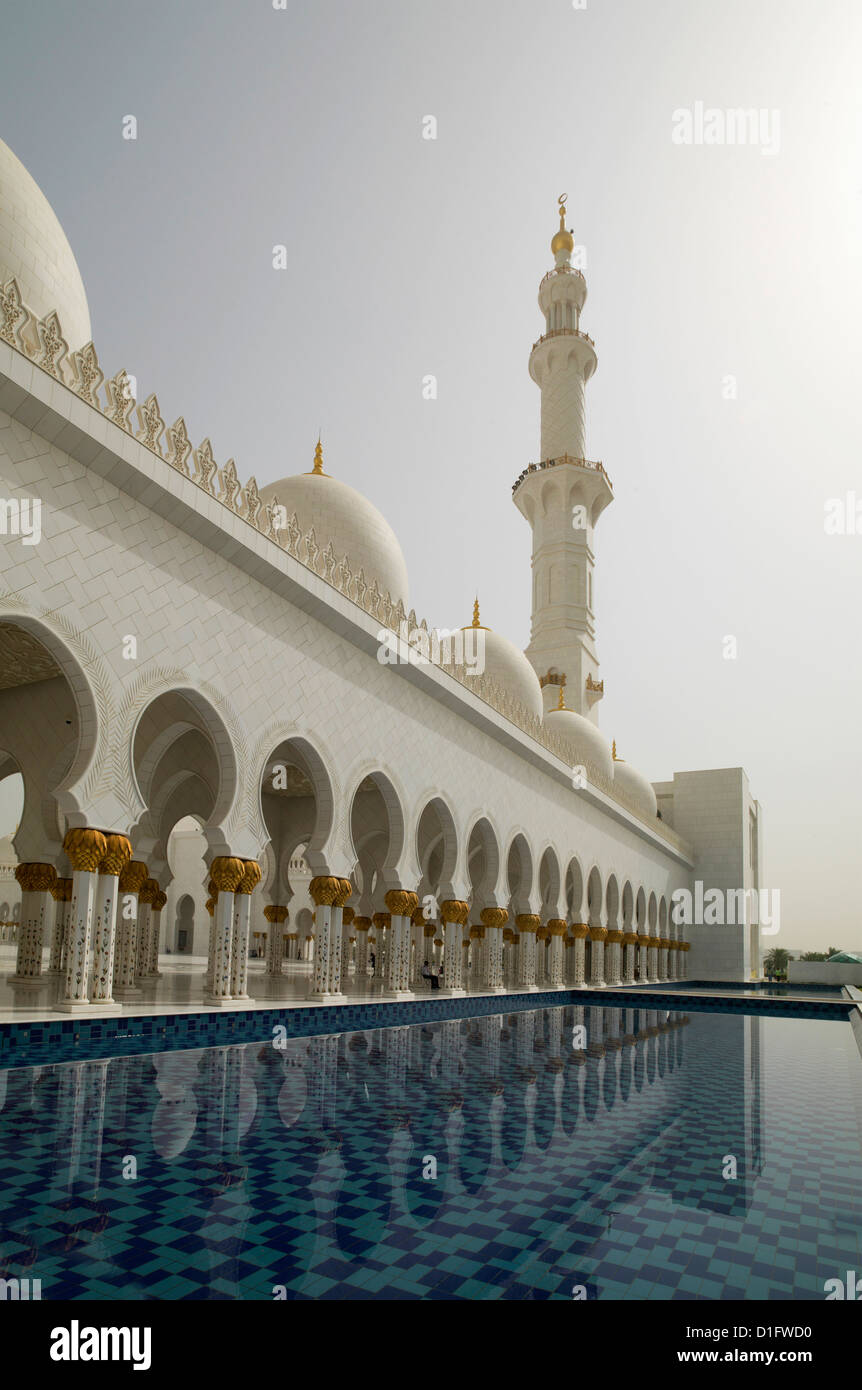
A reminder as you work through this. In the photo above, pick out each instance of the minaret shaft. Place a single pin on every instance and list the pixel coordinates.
(563, 496)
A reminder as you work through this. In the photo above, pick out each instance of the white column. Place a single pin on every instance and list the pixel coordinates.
(227, 873)
(62, 894)
(597, 957)
(241, 927)
(494, 920)
(118, 855)
(329, 895)
(37, 881)
(454, 913)
(556, 951)
(86, 850)
(527, 924)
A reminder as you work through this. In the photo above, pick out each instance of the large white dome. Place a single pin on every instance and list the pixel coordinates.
(588, 745)
(340, 514)
(33, 248)
(636, 787)
(508, 667)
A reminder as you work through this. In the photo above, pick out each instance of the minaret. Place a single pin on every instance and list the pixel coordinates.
(563, 495)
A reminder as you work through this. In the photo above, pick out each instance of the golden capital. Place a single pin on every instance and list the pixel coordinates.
(401, 903)
(362, 924)
(429, 929)
(85, 848)
(36, 878)
(62, 890)
(651, 943)
(557, 926)
(329, 892)
(579, 931)
(614, 936)
(117, 856)
(133, 877)
(528, 923)
(227, 873)
(494, 917)
(453, 910)
(598, 933)
(347, 916)
(251, 877)
(149, 892)
(211, 906)
(159, 900)
(382, 919)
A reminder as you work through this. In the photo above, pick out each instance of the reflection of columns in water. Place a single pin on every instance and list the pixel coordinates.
(450, 1053)
(525, 1033)
(490, 1028)
(395, 1046)
(323, 1075)
(80, 1123)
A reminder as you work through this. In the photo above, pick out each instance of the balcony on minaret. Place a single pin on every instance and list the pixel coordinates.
(592, 473)
(594, 690)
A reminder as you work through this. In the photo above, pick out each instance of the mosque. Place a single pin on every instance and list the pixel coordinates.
(222, 761)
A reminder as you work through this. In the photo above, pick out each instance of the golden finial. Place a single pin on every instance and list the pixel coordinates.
(563, 239)
(476, 622)
(562, 704)
(614, 751)
(318, 460)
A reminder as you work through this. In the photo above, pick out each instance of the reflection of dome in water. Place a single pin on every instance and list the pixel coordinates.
(340, 514)
(292, 1096)
(34, 249)
(174, 1122)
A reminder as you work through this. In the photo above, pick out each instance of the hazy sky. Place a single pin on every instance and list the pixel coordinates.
(407, 257)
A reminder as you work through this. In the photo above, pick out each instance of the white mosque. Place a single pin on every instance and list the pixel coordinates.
(237, 739)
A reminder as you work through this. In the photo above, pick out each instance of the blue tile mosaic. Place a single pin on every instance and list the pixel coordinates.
(497, 1154)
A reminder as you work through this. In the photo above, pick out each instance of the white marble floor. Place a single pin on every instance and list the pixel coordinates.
(181, 989)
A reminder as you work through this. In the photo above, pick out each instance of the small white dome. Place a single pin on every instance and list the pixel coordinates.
(340, 514)
(506, 665)
(34, 249)
(637, 788)
(588, 745)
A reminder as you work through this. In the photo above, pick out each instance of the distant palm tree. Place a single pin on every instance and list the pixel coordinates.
(776, 962)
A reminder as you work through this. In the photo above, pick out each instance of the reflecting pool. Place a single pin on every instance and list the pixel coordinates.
(555, 1153)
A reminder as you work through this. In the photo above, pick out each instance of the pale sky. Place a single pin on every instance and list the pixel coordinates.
(408, 257)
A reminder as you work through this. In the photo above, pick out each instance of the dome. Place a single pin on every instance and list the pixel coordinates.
(33, 248)
(506, 665)
(340, 514)
(587, 743)
(636, 788)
